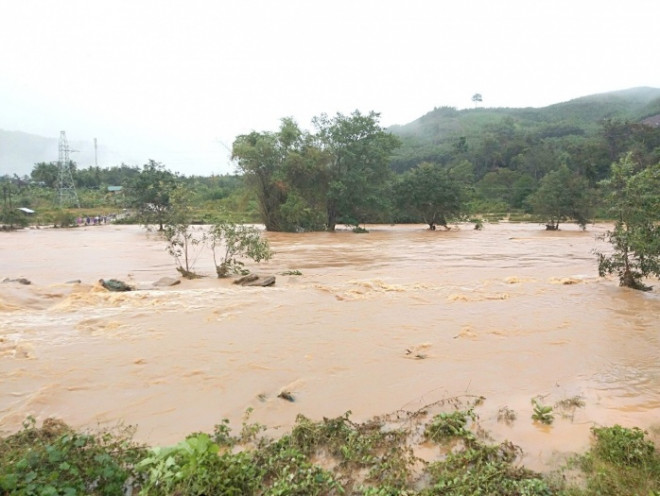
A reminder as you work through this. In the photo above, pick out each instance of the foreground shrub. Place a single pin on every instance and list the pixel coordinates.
(55, 460)
(621, 462)
(194, 466)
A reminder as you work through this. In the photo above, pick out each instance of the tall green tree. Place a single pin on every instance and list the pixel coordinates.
(46, 173)
(151, 193)
(634, 196)
(563, 195)
(306, 175)
(261, 158)
(359, 150)
(431, 193)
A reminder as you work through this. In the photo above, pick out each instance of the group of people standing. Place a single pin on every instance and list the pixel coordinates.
(97, 220)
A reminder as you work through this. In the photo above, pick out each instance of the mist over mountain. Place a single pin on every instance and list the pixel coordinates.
(435, 135)
(422, 138)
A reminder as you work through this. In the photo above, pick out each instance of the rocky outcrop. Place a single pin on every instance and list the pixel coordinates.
(166, 282)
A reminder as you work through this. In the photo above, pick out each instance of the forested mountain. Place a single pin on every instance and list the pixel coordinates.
(492, 137)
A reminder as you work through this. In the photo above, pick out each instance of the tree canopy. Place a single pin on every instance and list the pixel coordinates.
(432, 193)
(563, 195)
(304, 180)
(151, 191)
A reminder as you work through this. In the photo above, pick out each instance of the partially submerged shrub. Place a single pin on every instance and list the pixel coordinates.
(542, 413)
(450, 425)
(234, 242)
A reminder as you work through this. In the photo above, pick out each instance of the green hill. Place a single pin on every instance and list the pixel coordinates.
(442, 133)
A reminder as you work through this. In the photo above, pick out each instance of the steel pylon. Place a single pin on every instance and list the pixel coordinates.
(67, 189)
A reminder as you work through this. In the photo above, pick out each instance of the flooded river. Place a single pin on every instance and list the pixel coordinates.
(396, 318)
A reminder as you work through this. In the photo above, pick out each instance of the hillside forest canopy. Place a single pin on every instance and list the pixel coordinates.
(551, 165)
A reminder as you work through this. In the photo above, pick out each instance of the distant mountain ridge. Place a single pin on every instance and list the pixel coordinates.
(634, 104)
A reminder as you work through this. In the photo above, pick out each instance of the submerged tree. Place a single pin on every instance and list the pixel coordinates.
(184, 241)
(358, 152)
(261, 157)
(634, 197)
(314, 180)
(562, 195)
(432, 193)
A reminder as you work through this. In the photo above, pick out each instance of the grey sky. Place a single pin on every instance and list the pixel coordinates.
(178, 80)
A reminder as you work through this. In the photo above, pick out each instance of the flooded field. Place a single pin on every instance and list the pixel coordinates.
(396, 318)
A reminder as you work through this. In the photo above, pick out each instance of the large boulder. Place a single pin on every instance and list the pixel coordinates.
(255, 280)
(115, 285)
(166, 281)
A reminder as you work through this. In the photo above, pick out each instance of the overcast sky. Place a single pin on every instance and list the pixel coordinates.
(178, 80)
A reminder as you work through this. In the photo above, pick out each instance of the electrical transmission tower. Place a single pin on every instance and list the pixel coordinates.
(68, 196)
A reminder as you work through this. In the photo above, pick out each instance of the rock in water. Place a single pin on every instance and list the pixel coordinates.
(287, 395)
(166, 281)
(246, 279)
(20, 280)
(255, 280)
(268, 281)
(115, 285)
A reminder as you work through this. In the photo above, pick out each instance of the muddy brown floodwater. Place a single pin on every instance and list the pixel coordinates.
(509, 313)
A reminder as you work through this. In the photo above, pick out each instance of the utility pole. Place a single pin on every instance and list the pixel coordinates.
(96, 154)
(67, 188)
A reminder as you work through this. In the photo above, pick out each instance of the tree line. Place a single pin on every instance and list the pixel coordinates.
(341, 172)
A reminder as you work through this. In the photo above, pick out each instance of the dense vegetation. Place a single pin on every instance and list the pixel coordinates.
(545, 163)
(329, 457)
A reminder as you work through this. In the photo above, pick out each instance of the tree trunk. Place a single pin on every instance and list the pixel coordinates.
(332, 219)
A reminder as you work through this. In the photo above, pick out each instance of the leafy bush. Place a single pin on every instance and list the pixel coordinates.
(64, 218)
(55, 460)
(620, 462)
(623, 446)
(485, 469)
(194, 466)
